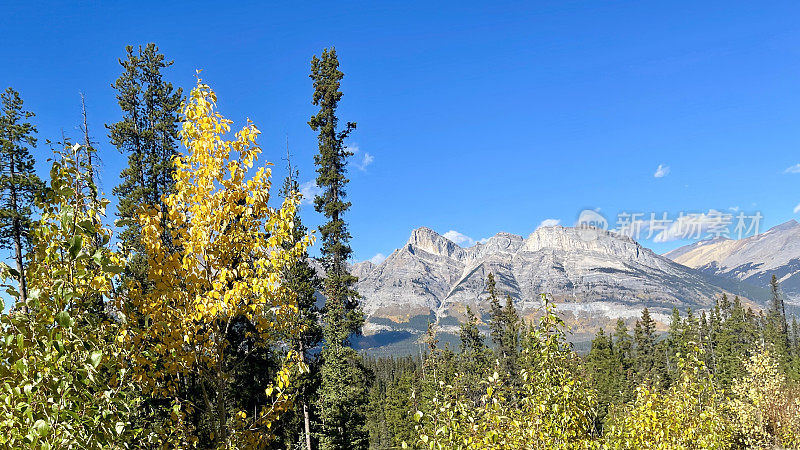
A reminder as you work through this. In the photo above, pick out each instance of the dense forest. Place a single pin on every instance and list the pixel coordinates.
(193, 320)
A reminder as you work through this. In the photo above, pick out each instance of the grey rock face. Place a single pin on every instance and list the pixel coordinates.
(596, 276)
(752, 260)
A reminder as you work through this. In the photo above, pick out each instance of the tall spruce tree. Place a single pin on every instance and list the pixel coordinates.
(495, 310)
(302, 279)
(623, 351)
(148, 134)
(473, 360)
(776, 328)
(505, 328)
(19, 184)
(471, 340)
(344, 385)
(606, 373)
(645, 347)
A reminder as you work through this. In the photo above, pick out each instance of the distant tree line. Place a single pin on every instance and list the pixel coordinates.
(726, 378)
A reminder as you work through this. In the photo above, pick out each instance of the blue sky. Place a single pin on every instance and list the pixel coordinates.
(477, 117)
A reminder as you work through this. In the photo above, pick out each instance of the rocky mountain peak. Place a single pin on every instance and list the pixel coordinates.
(500, 243)
(426, 239)
(785, 226)
(585, 240)
(753, 260)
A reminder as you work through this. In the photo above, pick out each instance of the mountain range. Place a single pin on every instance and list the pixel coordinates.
(752, 260)
(594, 277)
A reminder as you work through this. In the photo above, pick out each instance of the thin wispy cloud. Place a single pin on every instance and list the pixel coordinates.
(309, 190)
(378, 258)
(661, 171)
(362, 160)
(797, 208)
(459, 238)
(365, 161)
(549, 223)
(793, 169)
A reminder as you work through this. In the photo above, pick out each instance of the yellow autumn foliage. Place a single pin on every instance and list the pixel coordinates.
(765, 412)
(215, 252)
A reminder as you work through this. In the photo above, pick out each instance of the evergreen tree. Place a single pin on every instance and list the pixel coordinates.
(148, 134)
(607, 375)
(505, 330)
(645, 348)
(18, 183)
(731, 341)
(675, 341)
(302, 279)
(473, 360)
(795, 349)
(776, 329)
(343, 392)
(704, 334)
(396, 379)
(472, 344)
(623, 351)
(495, 310)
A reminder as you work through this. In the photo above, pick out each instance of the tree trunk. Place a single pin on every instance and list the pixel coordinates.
(17, 232)
(23, 285)
(306, 415)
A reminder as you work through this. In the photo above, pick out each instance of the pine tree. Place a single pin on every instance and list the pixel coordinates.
(472, 345)
(606, 372)
(795, 349)
(504, 326)
(505, 329)
(18, 183)
(344, 388)
(675, 341)
(623, 351)
(776, 329)
(495, 309)
(302, 279)
(645, 351)
(148, 134)
(473, 360)
(511, 341)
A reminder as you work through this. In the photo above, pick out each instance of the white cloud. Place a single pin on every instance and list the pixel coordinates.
(377, 259)
(793, 169)
(797, 208)
(695, 226)
(459, 238)
(362, 160)
(549, 223)
(367, 160)
(309, 190)
(734, 208)
(661, 171)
